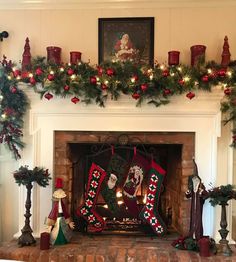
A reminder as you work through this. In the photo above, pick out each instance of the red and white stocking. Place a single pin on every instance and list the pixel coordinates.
(138, 168)
(95, 179)
(150, 213)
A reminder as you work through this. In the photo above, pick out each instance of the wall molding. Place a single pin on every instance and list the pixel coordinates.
(112, 4)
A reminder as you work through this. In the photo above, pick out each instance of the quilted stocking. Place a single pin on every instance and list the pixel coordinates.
(96, 177)
(149, 213)
(138, 168)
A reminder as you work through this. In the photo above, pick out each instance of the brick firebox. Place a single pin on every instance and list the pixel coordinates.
(179, 166)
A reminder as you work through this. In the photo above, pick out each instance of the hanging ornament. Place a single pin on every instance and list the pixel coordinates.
(66, 88)
(205, 78)
(70, 72)
(227, 91)
(136, 95)
(32, 81)
(48, 96)
(75, 100)
(51, 77)
(39, 71)
(13, 89)
(166, 91)
(110, 72)
(190, 95)
(144, 87)
(93, 80)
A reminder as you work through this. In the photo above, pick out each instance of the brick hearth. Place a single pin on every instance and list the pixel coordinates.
(108, 248)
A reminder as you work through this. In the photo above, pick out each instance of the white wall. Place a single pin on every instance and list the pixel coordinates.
(177, 27)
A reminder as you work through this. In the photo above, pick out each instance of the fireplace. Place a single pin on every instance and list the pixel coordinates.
(75, 152)
(190, 128)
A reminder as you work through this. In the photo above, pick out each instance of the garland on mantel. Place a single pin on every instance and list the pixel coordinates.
(88, 84)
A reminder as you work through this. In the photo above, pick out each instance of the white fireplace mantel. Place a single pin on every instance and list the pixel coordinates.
(200, 115)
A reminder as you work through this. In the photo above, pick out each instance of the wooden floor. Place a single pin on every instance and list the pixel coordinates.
(108, 248)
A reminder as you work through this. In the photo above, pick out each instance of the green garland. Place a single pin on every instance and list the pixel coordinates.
(85, 83)
(221, 194)
(25, 176)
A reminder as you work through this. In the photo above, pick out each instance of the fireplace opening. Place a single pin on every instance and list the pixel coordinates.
(76, 151)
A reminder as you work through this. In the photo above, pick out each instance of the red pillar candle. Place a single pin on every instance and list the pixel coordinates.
(204, 246)
(173, 58)
(54, 54)
(197, 53)
(75, 57)
(44, 241)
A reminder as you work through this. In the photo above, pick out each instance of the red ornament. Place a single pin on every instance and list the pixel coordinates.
(227, 91)
(136, 95)
(190, 95)
(110, 72)
(100, 70)
(181, 82)
(75, 100)
(38, 71)
(13, 89)
(25, 75)
(51, 77)
(32, 81)
(16, 73)
(93, 80)
(205, 78)
(48, 96)
(167, 91)
(70, 71)
(144, 87)
(66, 88)
(234, 138)
(221, 73)
(104, 87)
(165, 73)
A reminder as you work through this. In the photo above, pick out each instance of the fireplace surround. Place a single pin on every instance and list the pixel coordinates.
(200, 117)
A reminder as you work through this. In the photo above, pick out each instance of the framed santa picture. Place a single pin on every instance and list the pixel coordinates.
(126, 39)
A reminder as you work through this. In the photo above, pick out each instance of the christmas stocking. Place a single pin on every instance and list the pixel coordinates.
(149, 213)
(138, 168)
(116, 168)
(96, 177)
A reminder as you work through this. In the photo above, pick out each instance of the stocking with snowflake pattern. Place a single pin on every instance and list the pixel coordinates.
(138, 169)
(149, 213)
(95, 179)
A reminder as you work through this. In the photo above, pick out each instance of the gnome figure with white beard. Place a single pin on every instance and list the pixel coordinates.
(59, 221)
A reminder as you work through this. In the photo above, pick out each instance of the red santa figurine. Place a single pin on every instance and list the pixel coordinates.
(59, 220)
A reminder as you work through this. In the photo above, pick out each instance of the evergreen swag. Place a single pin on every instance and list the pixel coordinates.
(88, 84)
(25, 176)
(221, 194)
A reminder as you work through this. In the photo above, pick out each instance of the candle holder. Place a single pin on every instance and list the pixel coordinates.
(173, 58)
(75, 57)
(197, 54)
(54, 54)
